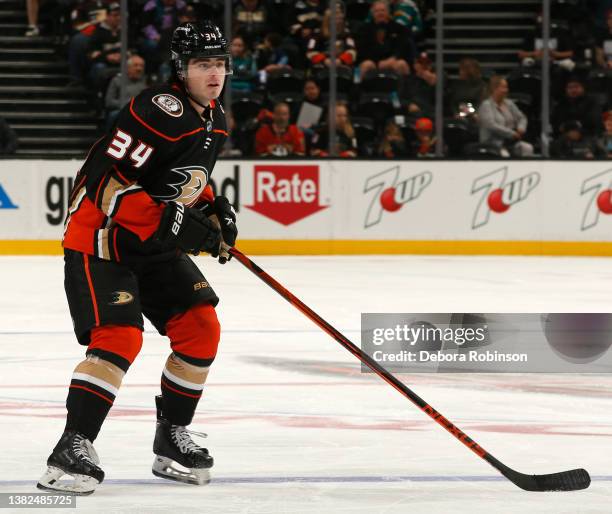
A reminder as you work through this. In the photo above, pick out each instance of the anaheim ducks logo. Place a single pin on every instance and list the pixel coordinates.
(121, 298)
(184, 186)
(169, 104)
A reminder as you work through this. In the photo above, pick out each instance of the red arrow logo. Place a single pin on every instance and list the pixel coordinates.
(286, 193)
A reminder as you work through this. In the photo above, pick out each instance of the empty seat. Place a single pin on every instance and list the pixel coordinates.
(365, 132)
(246, 106)
(285, 81)
(526, 81)
(378, 107)
(377, 81)
(344, 79)
(457, 134)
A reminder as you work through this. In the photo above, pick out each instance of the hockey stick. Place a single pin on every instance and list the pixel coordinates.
(571, 480)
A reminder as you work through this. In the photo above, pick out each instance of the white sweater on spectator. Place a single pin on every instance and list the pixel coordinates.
(499, 122)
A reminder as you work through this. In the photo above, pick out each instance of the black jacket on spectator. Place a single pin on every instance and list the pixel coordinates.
(564, 43)
(8, 139)
(585, 109)
(418, 91)
(320, 141)
(306, 15)
(104, 41)
(377, 42)
(251, 25)
(564, 148)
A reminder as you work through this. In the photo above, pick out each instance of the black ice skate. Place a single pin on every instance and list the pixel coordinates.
(73, 455)
(173, 445)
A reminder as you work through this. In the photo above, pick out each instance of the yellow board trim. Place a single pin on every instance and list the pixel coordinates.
(351, 247)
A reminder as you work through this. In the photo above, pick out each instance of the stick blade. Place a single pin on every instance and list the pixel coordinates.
(572, 480)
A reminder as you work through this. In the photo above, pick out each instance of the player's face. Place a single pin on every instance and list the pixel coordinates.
(205, 78)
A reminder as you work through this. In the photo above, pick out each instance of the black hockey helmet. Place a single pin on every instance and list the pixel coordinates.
(198, 39)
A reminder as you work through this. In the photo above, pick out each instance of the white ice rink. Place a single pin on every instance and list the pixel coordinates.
(293, 425)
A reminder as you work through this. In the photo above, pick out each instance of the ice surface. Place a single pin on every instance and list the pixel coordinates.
(293, 425)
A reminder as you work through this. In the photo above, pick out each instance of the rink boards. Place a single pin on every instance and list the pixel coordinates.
(361, 207)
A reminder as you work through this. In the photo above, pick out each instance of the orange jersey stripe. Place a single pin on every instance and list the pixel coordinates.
(165, 384)
(91, 289)
(75, 386)
(160, 134)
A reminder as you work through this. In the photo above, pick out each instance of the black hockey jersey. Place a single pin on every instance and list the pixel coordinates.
(160, 150)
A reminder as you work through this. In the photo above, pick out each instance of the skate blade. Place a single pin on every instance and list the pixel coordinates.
(81, 486)
(165, 468)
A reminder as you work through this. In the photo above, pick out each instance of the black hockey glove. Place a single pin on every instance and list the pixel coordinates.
(223, 214)
(188, 229)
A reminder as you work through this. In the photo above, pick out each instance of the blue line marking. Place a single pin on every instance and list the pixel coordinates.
(312, 480)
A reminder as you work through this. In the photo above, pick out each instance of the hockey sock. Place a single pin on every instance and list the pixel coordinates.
(92, 391)
(181, 384)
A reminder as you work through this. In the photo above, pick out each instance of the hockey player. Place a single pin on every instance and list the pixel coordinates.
(140, 203)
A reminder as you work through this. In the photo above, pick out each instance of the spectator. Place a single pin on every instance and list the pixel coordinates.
(600, 9)
(305, 21)
(561, 50)
(605, 141)
(86, 17)
(312, 96)
(425, 143)
(572, 144)
(576, 105)
(312, 93)
(469, 91)
(502, 124)
(158, 18)
(137, 81)
(584, 41)
(185, 15)
(346, 142)
(385, 44)
(243, 62)
(251, 21)
(279, 138)
(393, 144)
(603, 52)
(306, 18)
(8, 138)
(105, 47)
(419, 89)
(32, 9)
(406, 13)
(270, 57)
(319, 48)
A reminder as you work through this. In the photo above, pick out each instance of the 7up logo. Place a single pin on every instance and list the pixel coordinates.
(599, 189)
(497, 195)
(389, 193)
